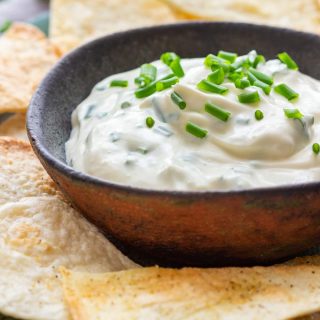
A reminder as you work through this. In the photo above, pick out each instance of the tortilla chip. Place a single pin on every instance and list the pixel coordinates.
(76, 21)
(297, 14)
(230, 293)
(39, 232)
(15, 127)
(25, 57)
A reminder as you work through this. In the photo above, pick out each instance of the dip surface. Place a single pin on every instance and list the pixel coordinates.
(110, 138)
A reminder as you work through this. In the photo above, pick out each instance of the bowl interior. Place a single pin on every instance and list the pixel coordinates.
(72, 79)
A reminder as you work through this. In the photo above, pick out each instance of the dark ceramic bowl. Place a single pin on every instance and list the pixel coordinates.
(169, 227)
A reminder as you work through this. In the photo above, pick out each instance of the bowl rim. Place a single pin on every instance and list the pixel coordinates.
(75, 175)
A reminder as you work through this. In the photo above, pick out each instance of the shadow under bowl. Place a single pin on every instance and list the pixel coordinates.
(193, 228)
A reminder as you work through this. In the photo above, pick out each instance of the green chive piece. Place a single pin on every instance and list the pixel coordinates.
(252, 79)
(5, 26)
(216, 65)
(146, 91)
(230, 56)
(119, 83)
(238, 63)
(125, 105)
(286, 59)
(169, 57)
(316, 148)
(249, 97)
(211, 59)
(195, 130)
(258, 59)
(207, 86)
(178, 100)
(242, 83)
(261, 76)
(216, 76)
(293, 113)
(258, 115)
(286, 91)
(149, 122)
(217, 112)
(265, 87)
(148, 73)
(176, 68)
(165, 84)
(234, 76)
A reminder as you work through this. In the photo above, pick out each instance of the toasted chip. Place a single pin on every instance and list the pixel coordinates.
(230, 293)
(299, 14)
(25, 57)
(76, 21)
(14, 126)
(39, 232)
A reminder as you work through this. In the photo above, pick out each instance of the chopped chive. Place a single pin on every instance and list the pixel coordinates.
(316, 148)
(148, 73)
(258, 59)
(258, 115)
(235, 76)
(178, 100)
(165, 84)
(146, 91)
(217, 112)
(125, 105)
(286, 91)
(230, 56)
(293, 113)
(176, 67)
(286, 59)
(216, 65)
(119, 83)
(195, 130)
(252, 79)
(261, 76)
(169, 76)
(5, 26)
(149, 122)
(169, 57)
(265, 87)
(238, 63)
(207, 86)
(211, 59)
(249, 97)
(242, 83)
(216, 76)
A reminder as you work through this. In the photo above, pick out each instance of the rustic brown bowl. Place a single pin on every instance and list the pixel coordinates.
(169, 227)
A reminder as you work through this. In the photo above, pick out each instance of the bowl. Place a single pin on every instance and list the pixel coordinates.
(192, 228)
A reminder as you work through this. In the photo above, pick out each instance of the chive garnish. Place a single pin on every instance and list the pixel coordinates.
(146, 91)
(207, 86)
(316, 148)
(236, 76)
(165, 84)
(178, 100)
(119, 83)
(217, 112)
(5, 26)
(293, 113)
(216, 76)
(149, 122)
(249, 97)
(211, 59)
(252, 79)
(242, 83)
(177, 68)
(265, 87)
(286, 91)
(148, 73)
(286, 59)
(168, 57)
(258, 115)
(230, 56)
(195, 130)
(125, 105)
(258, 59)
(261, 76)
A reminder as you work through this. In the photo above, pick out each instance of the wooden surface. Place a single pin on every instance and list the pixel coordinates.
(21, 10)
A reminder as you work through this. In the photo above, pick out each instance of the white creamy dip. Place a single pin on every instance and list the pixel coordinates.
(115, 144)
